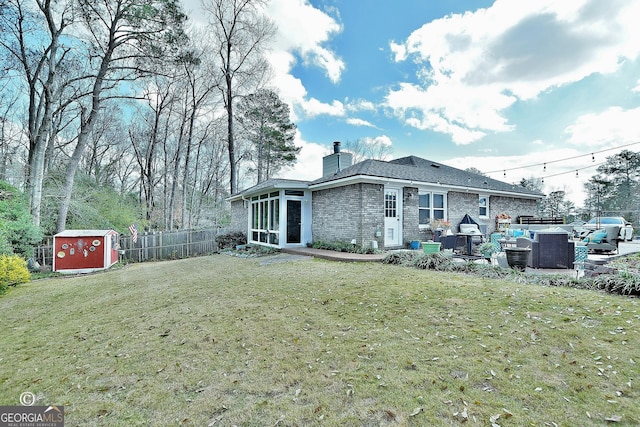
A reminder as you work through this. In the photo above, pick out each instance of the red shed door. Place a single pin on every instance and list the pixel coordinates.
(79, 252)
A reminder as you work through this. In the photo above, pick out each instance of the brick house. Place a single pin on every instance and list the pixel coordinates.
(384, 204)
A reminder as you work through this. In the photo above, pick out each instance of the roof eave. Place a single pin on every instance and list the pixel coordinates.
(293, 185)
(358, 179)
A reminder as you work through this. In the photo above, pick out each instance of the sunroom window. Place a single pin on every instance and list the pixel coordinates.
(265, 218)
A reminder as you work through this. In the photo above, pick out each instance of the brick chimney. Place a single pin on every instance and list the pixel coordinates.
(334, 163)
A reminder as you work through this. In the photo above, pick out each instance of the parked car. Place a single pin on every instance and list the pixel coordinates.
(626, 229)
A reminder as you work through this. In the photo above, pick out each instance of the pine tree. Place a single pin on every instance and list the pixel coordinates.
(266, 125)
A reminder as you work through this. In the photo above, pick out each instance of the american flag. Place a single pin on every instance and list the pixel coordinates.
(134, 232)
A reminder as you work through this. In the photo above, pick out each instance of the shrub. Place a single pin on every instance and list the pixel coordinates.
(342, 247)
(433, 261)
(622, 284)
(5, 246)
(13, 271)
(400, 258)
(16, 228)
(231, 240)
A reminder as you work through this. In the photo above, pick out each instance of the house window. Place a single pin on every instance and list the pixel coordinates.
(430, 206)
(265, 218)
(483, 206)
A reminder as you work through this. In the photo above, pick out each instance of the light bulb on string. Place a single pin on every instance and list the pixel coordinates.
(576, 173)
(504, 173)
(593, 158)
(544, 167)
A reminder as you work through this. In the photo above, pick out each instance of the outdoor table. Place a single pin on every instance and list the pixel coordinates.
(468, 241)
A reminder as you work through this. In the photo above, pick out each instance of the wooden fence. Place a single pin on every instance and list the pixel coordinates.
(153, 245)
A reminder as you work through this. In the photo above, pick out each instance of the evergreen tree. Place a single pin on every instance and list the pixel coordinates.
(266, 124)
(615, 187)
(17, 233)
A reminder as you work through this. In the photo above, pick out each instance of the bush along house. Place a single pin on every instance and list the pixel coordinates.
(374, 203)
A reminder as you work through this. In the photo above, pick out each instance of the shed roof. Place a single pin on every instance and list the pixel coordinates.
(83, 233)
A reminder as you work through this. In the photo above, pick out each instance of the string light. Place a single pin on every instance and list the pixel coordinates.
(505, 173)
(544, 169)
(565, 159)
(576, 173)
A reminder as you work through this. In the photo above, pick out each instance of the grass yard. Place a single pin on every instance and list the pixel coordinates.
(222, 341)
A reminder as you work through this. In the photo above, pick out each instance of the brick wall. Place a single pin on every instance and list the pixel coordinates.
(347, 213)
(459, 204)
(410, 216)
(511, 206)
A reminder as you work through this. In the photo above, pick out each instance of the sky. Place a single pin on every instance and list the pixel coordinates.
(515, 88)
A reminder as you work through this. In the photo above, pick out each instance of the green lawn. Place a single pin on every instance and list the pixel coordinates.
(227, 341)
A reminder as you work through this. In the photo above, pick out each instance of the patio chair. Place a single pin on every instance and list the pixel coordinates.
(603, 240)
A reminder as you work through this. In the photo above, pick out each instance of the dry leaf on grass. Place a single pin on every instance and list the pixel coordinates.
(462, 416)
(416, 412)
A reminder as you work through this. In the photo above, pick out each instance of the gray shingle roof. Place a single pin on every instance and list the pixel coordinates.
(420, 170)
(411, 168)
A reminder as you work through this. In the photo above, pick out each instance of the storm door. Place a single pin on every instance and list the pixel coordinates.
(392, 217)
(294, 221)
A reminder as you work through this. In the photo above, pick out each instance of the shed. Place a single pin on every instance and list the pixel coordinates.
(84, 251)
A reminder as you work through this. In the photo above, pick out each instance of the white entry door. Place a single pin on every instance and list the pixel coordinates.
(392, 217)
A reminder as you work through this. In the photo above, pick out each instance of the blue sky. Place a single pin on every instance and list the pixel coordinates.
(493, 85)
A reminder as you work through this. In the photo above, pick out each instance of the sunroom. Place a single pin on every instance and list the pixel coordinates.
(278, 213)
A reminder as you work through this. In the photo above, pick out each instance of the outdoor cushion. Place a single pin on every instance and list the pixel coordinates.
(469, 229)
(554, 230)
(596, 236)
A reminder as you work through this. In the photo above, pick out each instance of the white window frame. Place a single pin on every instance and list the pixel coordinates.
(485, 206)
(263, 211)
(431, 208)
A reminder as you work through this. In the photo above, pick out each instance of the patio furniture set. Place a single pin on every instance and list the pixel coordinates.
(554, 247)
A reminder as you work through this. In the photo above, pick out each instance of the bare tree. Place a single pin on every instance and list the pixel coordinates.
(124, 39)
(33, 44)
(149, 134)
(10, 135)
(241, 31)
(363, 149)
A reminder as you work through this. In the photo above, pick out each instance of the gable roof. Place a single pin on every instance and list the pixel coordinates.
(411, 169)
(422, 171)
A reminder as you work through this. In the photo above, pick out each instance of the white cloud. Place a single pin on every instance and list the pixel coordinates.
(314, 107)
(476, 65)
(303, 30)
(611, 128)
(308, 166)
(382, 140)
(399, 51)
(360, 122)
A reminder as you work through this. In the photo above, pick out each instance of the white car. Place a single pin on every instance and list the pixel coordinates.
(626, 230)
